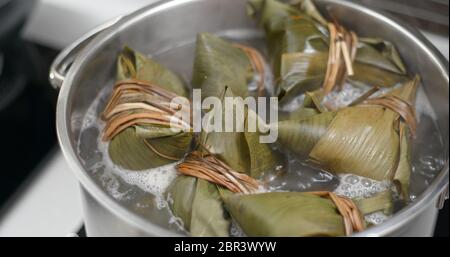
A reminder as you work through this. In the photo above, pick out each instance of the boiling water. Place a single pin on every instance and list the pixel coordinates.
(143, 192)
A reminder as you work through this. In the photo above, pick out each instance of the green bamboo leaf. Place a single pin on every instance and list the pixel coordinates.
(299, 114)
(218, 64)
(314, 100)
(152, 132)
(199, 205)
(381, 53)
(285, 214)
(271, 13)
(301, 72)
(380, 202)
(181, 194)
(404, 167)
(208, 215)
(135, 65)
(403, 173)
(360, 140)
(300, 35)
(132, 152)
(300, 136)
(407, 91)
(370, 76)
(230, 147)
(308, 7)
(242, 151)
(262, 157)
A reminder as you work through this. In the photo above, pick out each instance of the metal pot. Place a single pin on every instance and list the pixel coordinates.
(89, 65)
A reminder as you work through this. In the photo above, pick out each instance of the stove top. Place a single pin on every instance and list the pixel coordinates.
(27, 107)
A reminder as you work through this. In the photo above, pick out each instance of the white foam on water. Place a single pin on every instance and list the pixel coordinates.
(112, 186)
(294, 104)
(353, 186)
(153, 181)
(349, 93)
(174, 220)
(91, 118)
(339, 99)
(423, 105)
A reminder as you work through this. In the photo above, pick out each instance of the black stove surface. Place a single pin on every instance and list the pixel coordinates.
(442, 226)
(27, 113)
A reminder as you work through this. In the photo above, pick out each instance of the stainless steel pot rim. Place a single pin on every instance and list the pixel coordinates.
(400, 218)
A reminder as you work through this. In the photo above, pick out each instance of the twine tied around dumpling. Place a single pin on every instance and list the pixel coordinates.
(341, 55)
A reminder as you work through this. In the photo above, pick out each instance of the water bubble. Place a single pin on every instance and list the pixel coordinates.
(345, 187)
(366, 182)
(429, 163)
(352, 179)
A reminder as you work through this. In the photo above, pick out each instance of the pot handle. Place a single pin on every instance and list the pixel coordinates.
(62, 63)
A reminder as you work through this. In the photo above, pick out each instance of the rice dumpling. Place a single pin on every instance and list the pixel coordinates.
(222, 160)
(198, 204)
(308, 52)
(241, 150)
(223, 70)
(219, 63)
(294, 214)
(370, 140)
(141, 124)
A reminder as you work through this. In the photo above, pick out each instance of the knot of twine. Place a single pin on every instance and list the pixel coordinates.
(210, 168)
(342, 53)
(353, 220)
(135, 102)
